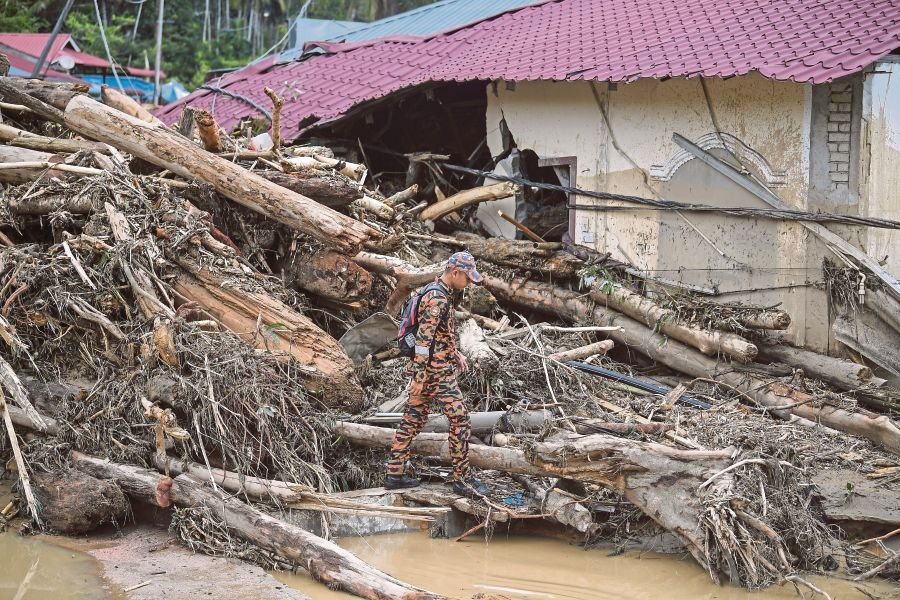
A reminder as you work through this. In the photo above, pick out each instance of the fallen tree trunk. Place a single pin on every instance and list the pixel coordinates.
(273, 326)
(525, 255)
(675, 355)
(765, 319)
(662, 481)
(16, 157)
(119, 101)
(843, 374)
(328, 274)
(481, 422)
(624, 301)
(326, 561)
(331, 189)
(293, 495)
(54, 93)
(474, 347)
(582, 352)
(467, 197)
(167, 149)
(13, 136)
(589, 426)
(644, 310)
(75, 503)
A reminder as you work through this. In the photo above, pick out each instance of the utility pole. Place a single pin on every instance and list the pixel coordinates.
(161, 5)
(59, 23)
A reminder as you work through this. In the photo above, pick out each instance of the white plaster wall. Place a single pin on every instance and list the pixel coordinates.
(882, 116)
(769, 118)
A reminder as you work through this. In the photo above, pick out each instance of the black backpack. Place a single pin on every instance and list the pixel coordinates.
(409, 322)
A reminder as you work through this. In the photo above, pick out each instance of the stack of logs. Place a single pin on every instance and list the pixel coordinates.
(314, 196)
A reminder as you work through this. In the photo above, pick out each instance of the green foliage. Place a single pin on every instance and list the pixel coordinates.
(17, 17)
(185, 54)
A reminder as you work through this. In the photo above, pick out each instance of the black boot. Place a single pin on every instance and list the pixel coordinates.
(470, 487)
(399, 482)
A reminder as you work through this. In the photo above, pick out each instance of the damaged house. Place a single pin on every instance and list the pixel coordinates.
(769, 106)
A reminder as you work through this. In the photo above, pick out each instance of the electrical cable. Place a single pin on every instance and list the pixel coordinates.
(770, 213)
(106, 47)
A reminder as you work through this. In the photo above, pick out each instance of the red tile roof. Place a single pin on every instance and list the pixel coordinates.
(26, 65)
(807, 41)
(33, 43)
(84, 59)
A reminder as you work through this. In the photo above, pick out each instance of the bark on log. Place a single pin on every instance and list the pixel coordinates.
(675, 355)
(644, 310)
(353, 171)
(843, 374)
(766, 319)
(589, 426)
(408, 277)
(75, 503)
(208, 130)
(10, 154)
(119, 101)
(13, 136)
(331, 189)
(169, 150)
(285, 332)
(481, 422)
(45, 99)
(328, 274)
(467, 197)
(525, 255)
(662, 481)
(582, 352)
(475, 348)
(326, 561)
(54, 93)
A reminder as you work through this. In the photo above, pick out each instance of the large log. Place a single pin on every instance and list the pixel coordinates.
(272, 325)
(328, 274)
(326, 561)
(525, 255)
(13, 136)
(644, 310)
(680, 357)
(54, 93)
(119, 101)
(468, 197)
(167, 149)
(331, 189)
(475, 348)
(843, 374)
(763, 319)
(74, 503)
(10, 154)
(662, 481)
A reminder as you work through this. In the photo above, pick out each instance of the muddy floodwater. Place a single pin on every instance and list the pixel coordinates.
(540, 568)
(31, 569)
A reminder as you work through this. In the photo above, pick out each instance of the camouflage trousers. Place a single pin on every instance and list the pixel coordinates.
(444, 391)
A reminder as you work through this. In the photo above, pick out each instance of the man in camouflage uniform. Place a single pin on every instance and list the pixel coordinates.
(433, 369)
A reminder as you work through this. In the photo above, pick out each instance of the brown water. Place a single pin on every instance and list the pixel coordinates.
(540, 568)
(31, 569)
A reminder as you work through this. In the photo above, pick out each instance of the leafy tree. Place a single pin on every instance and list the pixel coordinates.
(16, 16)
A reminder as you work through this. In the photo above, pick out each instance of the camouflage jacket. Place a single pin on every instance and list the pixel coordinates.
(435, 336)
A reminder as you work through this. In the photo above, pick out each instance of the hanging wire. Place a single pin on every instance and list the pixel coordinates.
(106, 47)
(650, 204)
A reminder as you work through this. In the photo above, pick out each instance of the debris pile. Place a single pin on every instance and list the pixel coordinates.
(203, 323)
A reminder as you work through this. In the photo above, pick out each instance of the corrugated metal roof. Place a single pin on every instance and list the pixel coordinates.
(430, 19)
(808, 41)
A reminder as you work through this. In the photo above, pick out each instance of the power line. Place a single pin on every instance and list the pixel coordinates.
(109, 57)
(769, 213)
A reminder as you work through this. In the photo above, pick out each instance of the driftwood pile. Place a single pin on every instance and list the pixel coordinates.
(170, 308)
